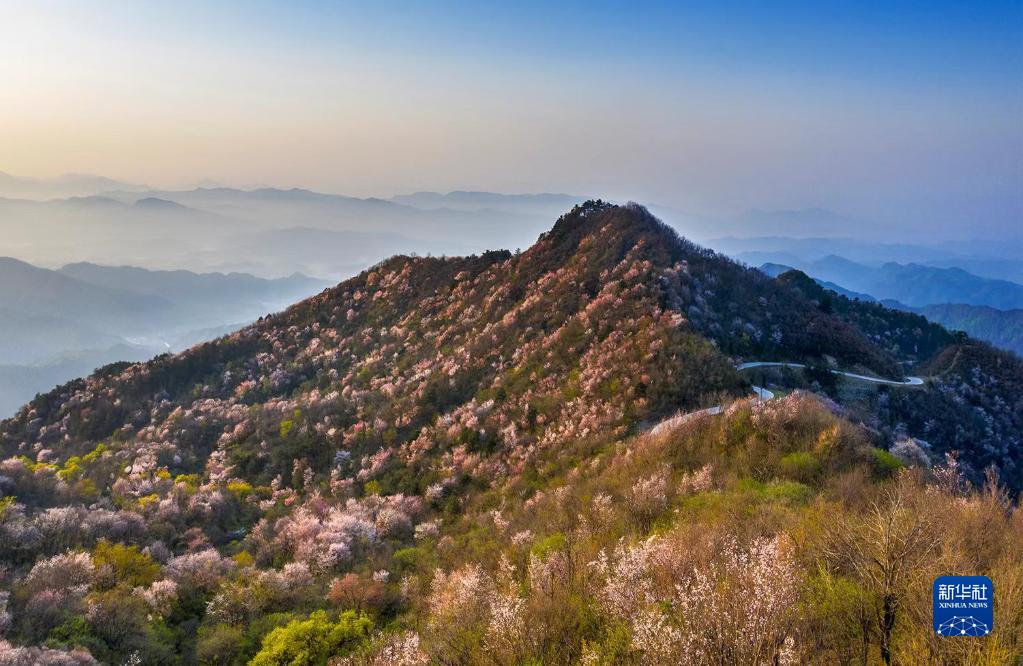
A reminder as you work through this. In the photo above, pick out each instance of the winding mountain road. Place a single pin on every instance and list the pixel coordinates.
(764, 394)
(909, 381)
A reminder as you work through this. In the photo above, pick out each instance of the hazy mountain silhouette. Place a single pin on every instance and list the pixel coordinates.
(1002, 328)
(58, 324)
(912, 284)
(981, 257)
(68, 185)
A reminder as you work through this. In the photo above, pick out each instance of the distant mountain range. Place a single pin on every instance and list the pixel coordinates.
(774, 270)
(983, 258)
(272, 232)
(204, 293)
(58, 324)
(912, 284)
(266, 231)
(60, 187)
(1003, 328)
(38, 292)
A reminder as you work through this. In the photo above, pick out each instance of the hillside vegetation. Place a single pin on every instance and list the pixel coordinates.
(449, 460)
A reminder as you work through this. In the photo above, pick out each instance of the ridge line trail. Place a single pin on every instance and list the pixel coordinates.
(764, 394)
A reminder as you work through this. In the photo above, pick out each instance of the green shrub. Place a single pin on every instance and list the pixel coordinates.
(409, 559)
(219, 645)
(550, 544)
(313, 641)
(883, 463)
(128, 566)
(801, 466)
(781, 492)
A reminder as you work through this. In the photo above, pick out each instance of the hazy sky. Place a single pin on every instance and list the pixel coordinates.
(909, 112)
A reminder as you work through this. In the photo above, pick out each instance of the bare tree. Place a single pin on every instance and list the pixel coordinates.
(884, 549)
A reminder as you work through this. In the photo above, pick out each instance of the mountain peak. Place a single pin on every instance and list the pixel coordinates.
(156, 203)
(93, 200)
(623, 225)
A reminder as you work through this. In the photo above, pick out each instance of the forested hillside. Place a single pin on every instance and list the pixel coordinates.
(1002, 328)
(450, 460)
(974, 401)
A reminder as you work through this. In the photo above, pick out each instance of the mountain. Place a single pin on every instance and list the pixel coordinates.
(915, 285)
(56, 325)
(19, 382)
(855, 295)
(841, 270)
(105, 229)
(321, 251)
(226, 229)
(907, 336)
(68, 185)
(515, 324)
(238, 293)
(774, 270)
(156, 203)
(735, 307)
(42, 292)
(31, 338)
(981, 257)
(924, 285)
(516, 458)
(275, 208)
(132, 301)
(973, 406)
(1002, 328)
(987, 267)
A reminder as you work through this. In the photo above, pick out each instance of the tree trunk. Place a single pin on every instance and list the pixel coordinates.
(887, 627)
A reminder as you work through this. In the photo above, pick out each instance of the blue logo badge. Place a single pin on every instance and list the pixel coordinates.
(964, 606)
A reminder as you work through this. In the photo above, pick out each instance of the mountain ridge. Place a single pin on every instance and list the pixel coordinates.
(916, 284)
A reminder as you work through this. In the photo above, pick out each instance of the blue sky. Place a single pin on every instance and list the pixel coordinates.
(904, 112)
